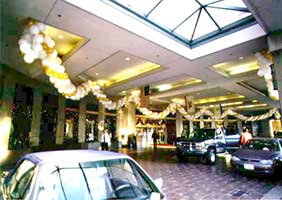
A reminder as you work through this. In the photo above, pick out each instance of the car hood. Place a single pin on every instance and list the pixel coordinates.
(255, 154)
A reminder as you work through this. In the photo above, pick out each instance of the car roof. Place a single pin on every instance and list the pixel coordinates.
(72, 156)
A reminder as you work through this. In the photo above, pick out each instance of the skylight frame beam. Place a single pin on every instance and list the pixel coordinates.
(233, 8)
(147, 15)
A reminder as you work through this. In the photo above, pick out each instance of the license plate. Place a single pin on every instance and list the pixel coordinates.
(249, 167)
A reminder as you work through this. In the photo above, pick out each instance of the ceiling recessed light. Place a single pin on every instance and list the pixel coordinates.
(241, 57)
(60, 36)
(127, 59)
(96, 73)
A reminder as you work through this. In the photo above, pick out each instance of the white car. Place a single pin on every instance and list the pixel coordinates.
(79, 175)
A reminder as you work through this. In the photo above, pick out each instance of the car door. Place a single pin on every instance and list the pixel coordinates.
(17, 182)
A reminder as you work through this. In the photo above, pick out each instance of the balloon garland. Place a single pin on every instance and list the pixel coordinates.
(265, 62)
(35, 45)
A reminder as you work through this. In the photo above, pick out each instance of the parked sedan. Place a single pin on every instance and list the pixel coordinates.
(261, 155)
(79, 174)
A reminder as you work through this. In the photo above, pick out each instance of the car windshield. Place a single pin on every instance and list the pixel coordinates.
(202, 134)
(265, 145)
(108, 179)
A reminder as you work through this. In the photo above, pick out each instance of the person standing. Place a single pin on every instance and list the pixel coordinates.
(155, 138)
(105, 140)
(246, 136)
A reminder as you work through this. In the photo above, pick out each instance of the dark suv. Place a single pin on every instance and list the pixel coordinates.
(204, 143)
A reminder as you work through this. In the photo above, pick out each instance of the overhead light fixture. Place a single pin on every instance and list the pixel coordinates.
(251, 106)
(241, 57)
(96, 73)
(219, 98)
(127, 59)
(232, 103)
(60, 36)
(164, 87)
(254, 101)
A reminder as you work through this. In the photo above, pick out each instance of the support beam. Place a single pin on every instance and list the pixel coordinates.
(191, 126)
(82, 120)
(60, 120)
(278, 74)
(131, 119)
(36, 117)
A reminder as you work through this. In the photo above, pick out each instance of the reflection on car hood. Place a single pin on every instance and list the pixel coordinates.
(255, 154)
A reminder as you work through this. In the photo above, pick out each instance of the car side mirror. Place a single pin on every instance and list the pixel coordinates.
(159, 183)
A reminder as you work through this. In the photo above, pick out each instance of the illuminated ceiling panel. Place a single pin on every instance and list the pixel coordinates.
(212, 99)
(120, 68)
(175, 82)
(65, 42)
(239, 66)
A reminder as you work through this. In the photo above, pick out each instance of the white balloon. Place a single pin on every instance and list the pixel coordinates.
(52, 79)
(34, 29)
(37, 47)
(38, 39)
(45, 62)
(260, 73)
(41, 26)
(42, 55)
(267, 76)
(51, 43)
(60, 69)
(21, 41)
(25, 47)
(28, 58)
(47, 38)
(54, 54)
(58, 60)
(27, 37)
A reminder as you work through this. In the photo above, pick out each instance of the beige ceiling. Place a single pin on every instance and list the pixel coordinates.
(108, 44)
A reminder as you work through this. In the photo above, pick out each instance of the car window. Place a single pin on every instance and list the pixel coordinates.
(21, 179)
(265, 145)
(109, 179)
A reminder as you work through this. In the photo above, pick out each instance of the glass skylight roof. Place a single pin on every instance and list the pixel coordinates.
(192, 22)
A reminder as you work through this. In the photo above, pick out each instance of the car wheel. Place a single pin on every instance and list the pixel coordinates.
(211, 157)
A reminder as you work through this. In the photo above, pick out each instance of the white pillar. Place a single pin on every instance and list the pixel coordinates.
(101, 119)
(239, 125)
(60, 120)
(8, 93)
(82, 120)
(179, 124)
(36, 117)
(225, 122)
(191, 126)
(202, 125)
(213, 124)
(131, 120)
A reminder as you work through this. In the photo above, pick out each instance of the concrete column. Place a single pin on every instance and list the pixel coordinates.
(36, 117)
(179, 124)
(275, 47)
(191, 126)
(82, 120)
(101, 118)
(239, 125)
(213, 124)
(131, 119)
(8, 94)
(202, 125)
(225, 121)
(60, 120)
(118, 123)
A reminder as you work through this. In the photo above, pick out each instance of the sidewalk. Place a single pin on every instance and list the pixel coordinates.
(273, 194)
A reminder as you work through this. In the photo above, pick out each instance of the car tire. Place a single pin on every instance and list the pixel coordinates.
(210, 157)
